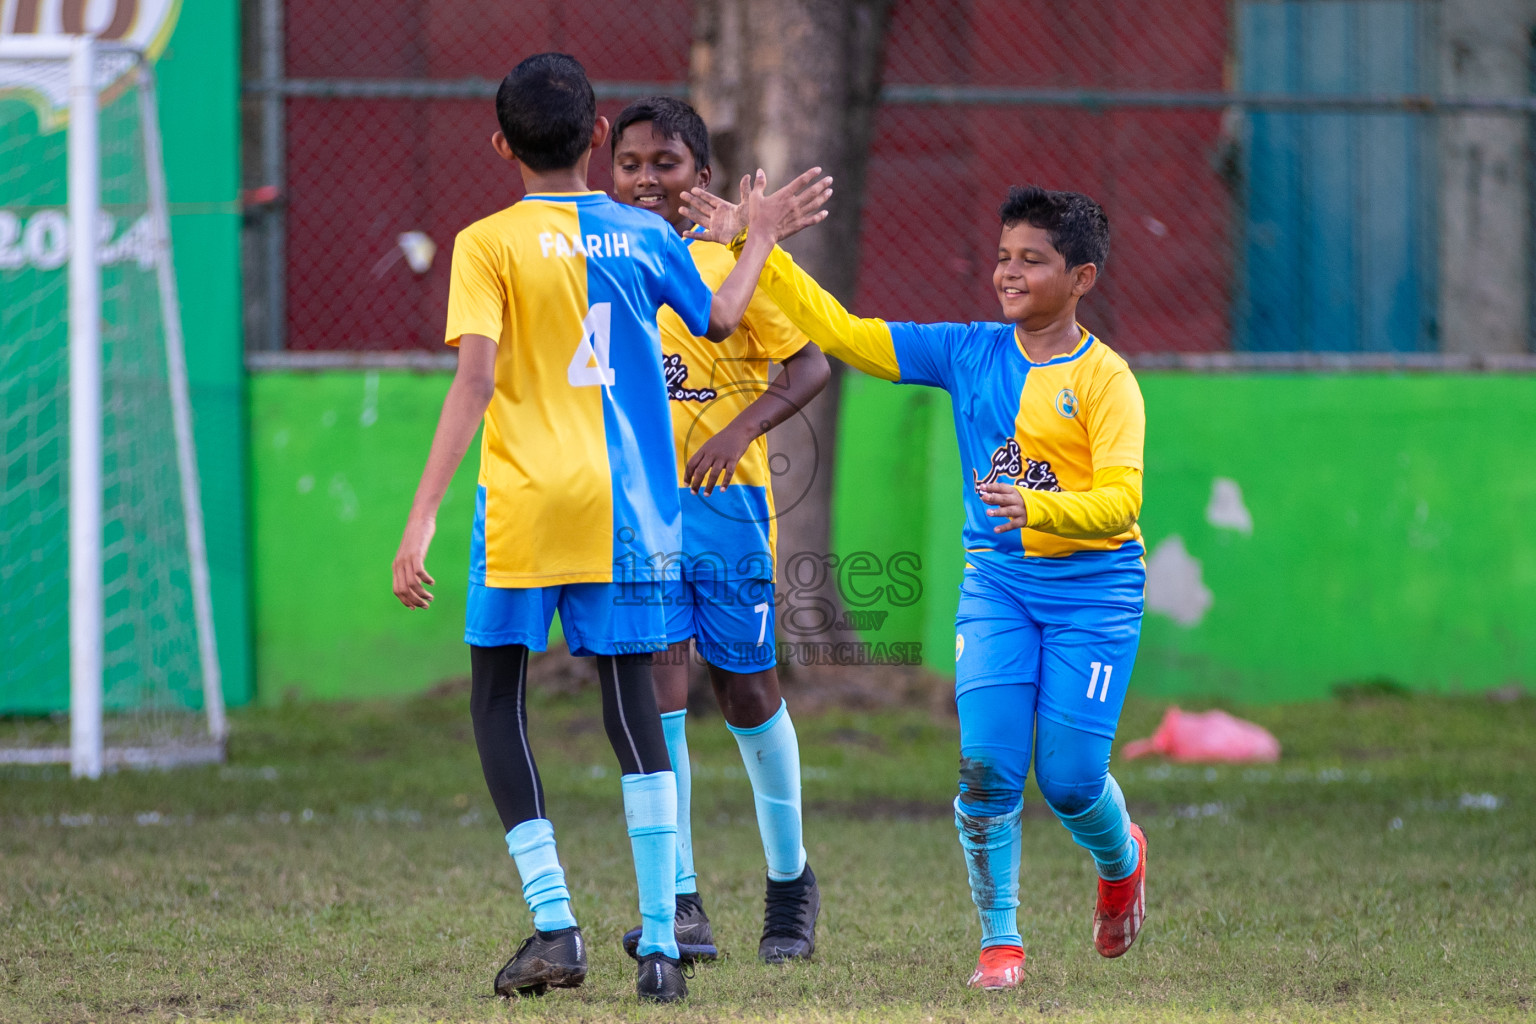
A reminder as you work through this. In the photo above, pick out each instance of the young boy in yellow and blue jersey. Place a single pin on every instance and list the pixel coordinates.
(552, 304)
(722, 408)
(1050, 423)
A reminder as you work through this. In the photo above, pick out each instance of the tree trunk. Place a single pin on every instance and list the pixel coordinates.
(786, 85)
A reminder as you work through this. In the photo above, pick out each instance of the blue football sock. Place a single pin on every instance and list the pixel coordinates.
(650, 809)
(771, 754)
(532, 845)
(675, 725)
(991, 848)
(1104, 830)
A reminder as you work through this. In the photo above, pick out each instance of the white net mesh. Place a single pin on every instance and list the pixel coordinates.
(152, 683)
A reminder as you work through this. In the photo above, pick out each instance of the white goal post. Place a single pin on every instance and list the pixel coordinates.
(91, 67)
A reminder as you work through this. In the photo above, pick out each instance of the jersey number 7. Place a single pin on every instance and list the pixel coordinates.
(589, 364)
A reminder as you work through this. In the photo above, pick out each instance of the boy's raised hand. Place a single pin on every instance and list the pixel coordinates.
(775, 216)
(791, 209)
(716, 219)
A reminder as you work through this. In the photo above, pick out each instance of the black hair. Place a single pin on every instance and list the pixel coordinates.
(670, 118)
(1077, 226)
(547, 111)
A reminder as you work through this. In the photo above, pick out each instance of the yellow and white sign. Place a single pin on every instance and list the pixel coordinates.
(144, 25)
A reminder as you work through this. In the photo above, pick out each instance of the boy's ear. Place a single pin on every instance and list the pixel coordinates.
(502, 147)
(1083, 279)
(600, 129)
(704, 177)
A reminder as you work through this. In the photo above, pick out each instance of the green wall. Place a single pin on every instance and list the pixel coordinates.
(335, 460)
(1388, 534)
(1387, 539)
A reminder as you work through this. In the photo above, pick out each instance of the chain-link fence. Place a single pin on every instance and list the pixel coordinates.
(1280, 175)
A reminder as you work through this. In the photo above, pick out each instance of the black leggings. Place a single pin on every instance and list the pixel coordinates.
(498, 707)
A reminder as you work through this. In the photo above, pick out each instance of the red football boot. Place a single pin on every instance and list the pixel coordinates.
(998, 968)
(1122, 905)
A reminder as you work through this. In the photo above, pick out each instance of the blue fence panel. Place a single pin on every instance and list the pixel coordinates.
(1338, 241)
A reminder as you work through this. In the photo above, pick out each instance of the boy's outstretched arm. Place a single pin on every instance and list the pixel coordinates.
(473, 386)
(772, 218)
(864, 344)
(801, 378)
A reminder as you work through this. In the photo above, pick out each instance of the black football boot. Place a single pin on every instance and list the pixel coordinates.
(695, 941)
(545, 960)
(660, 979)
(789, 919)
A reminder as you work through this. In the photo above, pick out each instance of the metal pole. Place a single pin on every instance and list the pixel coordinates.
(85, 538)
(274, 141)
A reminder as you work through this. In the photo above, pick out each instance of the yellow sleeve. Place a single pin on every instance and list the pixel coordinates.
(1116, 419)
(1107, 510)
(863, 344)
(771, 333)
(477, 291)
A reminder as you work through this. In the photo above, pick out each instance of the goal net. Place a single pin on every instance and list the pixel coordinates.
(107, 653)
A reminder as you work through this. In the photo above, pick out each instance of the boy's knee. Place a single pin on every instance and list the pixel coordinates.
(747, 699)
(986, 789)
(1069, 797)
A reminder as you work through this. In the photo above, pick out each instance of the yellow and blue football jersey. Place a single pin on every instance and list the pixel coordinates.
(578, 482)
(729, 534)
(1056, 429)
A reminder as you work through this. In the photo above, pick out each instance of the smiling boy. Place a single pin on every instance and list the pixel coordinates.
(722, 408)
(1050, 424)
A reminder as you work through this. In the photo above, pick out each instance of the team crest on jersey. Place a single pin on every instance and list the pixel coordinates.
(676, 372)
(1009, 461)
(1066, 403)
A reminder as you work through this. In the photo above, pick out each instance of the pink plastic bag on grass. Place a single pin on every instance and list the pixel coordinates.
(1207, 736)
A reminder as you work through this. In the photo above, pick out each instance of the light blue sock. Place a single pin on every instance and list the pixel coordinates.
(772, 756)
(991, 848)
(650, 810)
(675, 725)
(532, 846)
(1104, 830)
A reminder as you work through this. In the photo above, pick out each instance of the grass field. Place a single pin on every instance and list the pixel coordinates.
(346, 864)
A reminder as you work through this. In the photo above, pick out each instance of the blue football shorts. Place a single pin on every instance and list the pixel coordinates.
(1069, 625)
(731, 621)
(596, 618)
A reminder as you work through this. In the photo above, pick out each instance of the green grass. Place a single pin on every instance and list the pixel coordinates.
(346, 864)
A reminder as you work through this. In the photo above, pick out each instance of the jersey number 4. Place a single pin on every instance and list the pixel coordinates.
(589, 365)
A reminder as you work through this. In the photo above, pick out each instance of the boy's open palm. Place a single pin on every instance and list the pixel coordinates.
(775, 216)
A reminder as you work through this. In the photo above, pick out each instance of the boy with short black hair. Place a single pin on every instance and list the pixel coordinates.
(1050, 423)
(722, 408)
(552, 303)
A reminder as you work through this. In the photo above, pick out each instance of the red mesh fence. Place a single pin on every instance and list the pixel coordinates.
(386, 133)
